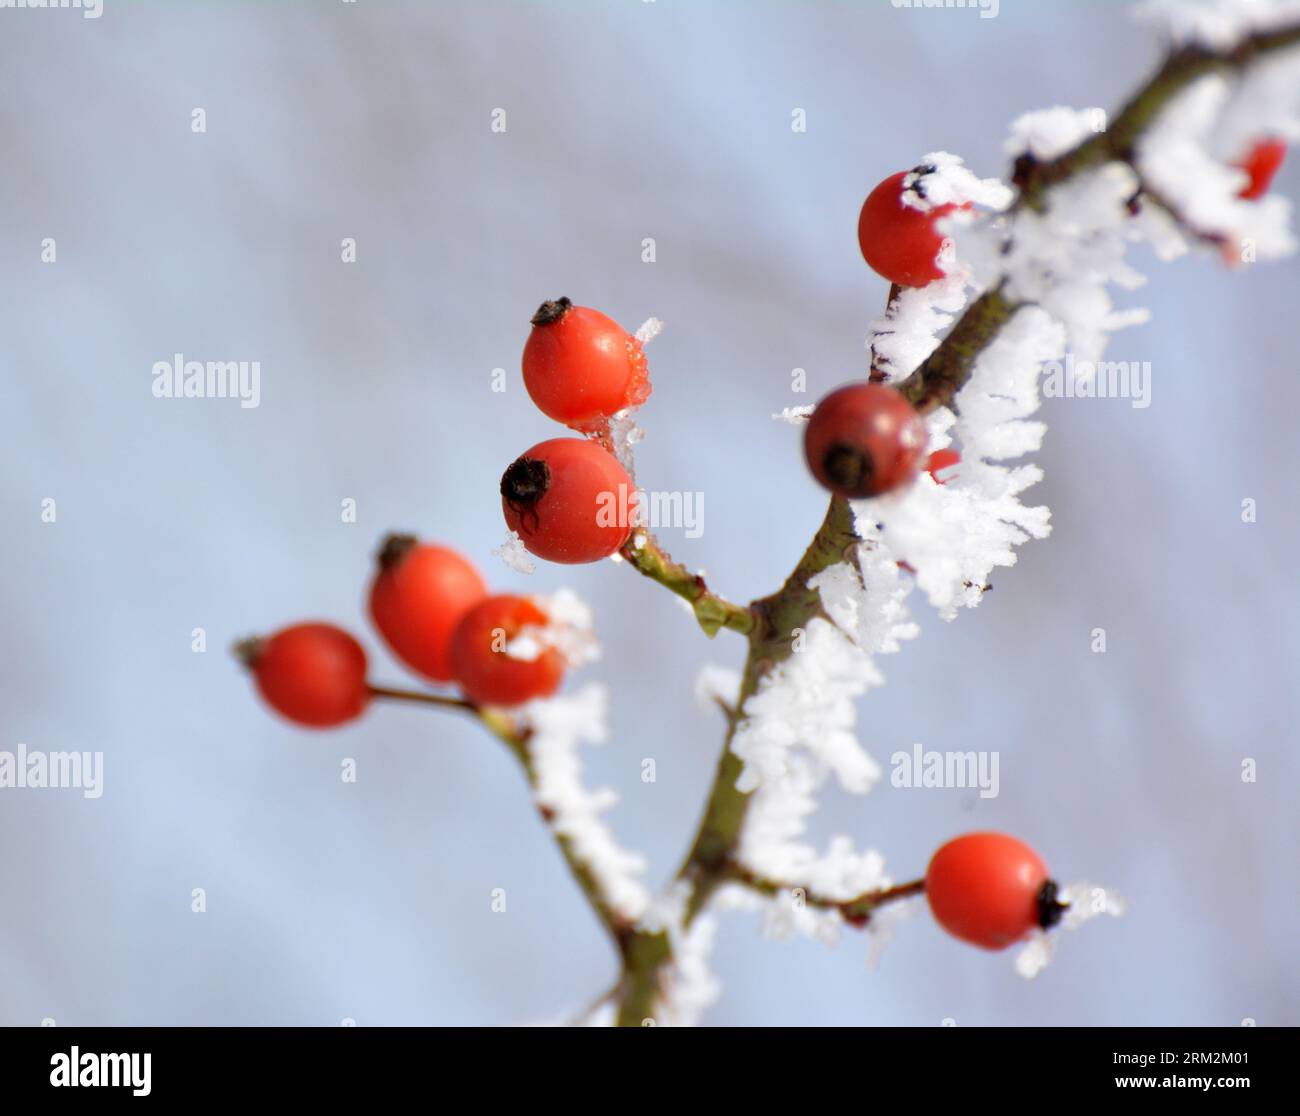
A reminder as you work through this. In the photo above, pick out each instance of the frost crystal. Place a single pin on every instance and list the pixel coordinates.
(648, 330)
(1219, 24)
(559, 725)
(624, 434)
(943, 179)
(795, 416)
(716, 685)
(954, 534)
(1047, 133)
(912, 324)
(1085, 901)
(568, 629)
(513, 553)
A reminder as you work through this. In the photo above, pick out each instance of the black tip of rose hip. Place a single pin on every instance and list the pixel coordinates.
(248, 651)
(551, 311)
(1050, 909)
(394, 548)
(847, 467)
(524, 484)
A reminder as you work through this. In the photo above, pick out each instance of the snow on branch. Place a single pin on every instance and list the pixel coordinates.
(556, 729)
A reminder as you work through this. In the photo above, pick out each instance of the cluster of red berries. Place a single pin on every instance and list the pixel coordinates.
(434, 611)
(569, 499)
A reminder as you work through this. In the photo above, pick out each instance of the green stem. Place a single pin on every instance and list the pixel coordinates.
(708, 864)
(712, 612)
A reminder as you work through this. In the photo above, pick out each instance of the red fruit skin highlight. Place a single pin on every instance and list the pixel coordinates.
(899, 242)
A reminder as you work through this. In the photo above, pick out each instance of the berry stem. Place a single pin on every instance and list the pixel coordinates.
(421, 696)
(856, 911)
(711, 611)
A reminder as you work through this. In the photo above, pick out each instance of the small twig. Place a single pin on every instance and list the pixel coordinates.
(712, 612)
(856, 911)
(423, 698)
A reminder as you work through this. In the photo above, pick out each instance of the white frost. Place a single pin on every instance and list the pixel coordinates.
(795, 416)
(560, 725)
(568, 629)
(1220, 24)
(513, 553)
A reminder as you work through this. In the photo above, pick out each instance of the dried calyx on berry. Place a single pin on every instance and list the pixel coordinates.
(551, 311)
(1050, 908)
(249, 650)
(394, 548)
(848, 467)
(569, 500)
(523, 484)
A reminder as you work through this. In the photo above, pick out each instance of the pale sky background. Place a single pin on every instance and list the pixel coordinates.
(625, 120)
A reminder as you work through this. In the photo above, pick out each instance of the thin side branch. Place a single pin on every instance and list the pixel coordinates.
(857, 910)
(712, 612)
(515, 737)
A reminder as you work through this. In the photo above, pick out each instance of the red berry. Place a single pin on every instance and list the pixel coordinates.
(990, 890)
(569, 500)
(314, 674)
(1261, 164)
(581, 367)
(481, 662)
(864, 439)
(418, 597)
(941, 460)
(897, 240)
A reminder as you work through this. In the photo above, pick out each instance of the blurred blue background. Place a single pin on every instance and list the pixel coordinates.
(625, 120)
